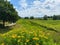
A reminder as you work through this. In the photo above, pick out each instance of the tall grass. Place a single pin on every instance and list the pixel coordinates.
(24, 33)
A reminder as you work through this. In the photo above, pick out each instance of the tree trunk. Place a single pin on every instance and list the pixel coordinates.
(3, 23)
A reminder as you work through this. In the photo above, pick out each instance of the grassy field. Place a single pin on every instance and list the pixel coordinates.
(32, 32)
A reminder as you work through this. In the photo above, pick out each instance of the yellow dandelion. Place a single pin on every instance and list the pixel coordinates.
(3, 35)
(48, 33)
(18, 40)
(35, 38)
(44, 42)
(19, 36)
(2, 44)
(45, 37)
(37, 44)
(35, 34)
(30, 32)
(22, 36)
(14, 36)
(41, 35)
(27, 40)
(25, 43)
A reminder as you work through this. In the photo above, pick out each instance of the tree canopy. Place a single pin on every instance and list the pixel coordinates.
(45, 17)
(7, 12)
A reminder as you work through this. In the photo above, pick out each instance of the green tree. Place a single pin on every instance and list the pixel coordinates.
(26, 17)
(54, 17)
(58, 17)
(7, 12)
(31, 17)
(45, 17)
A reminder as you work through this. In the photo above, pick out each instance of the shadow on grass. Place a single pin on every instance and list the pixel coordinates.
(55, 37)
(4, 29)
(48, 28)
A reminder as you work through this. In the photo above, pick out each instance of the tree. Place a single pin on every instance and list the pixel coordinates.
(31, 17)
(54, 17)
(58, 17)
(26, 18)
(7, 12)
(45, 17)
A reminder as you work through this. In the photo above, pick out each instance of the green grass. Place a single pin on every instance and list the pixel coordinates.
(52, 26)
(32, 32)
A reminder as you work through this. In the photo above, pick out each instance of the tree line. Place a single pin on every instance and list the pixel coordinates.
(45, 17)
(54, 17)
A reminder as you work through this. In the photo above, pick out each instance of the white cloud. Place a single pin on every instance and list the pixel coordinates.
(23, 3)
(36, 3)
(39, 9)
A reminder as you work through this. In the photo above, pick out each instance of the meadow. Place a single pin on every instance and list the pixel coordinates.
(32, 32)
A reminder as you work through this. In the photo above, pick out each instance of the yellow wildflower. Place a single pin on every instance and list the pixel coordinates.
(35, 38)
(2, 44)
(14, 36)
(41, 35)
(44, 42)
(45, 37)
(30, 32)
(37, 44)
(18, 40)
(22, 36)
(19, 36)
(35, 34)
(3, 35)
(27, 40)
(48, 33)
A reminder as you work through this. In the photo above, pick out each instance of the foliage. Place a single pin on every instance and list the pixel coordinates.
(26, 33)
(45, 17)
(51, 26)
(7, 12)
(26, 18)
(56, 17)
(31, 17)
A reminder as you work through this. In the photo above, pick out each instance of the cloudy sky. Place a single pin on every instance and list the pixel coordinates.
(36, 8)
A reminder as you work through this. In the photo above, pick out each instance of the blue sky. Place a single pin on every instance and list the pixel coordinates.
(36, 8)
